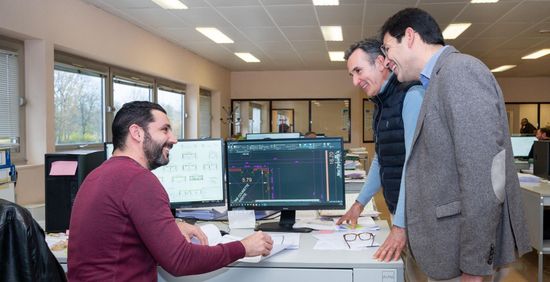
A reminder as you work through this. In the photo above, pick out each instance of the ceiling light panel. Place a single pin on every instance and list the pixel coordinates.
(537, 54)
(483, 1)
(214, 34)
(336, 56)
(171, 4)
(247, 57)
(332, 33)
(503, 68)
(455, 30)
(326, 2)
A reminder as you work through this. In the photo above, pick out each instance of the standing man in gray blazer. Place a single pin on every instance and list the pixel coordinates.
(463, 209)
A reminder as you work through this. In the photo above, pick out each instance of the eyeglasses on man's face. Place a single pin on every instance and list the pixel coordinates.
(363, 236)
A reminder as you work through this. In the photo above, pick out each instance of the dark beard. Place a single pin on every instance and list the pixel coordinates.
(153, 152)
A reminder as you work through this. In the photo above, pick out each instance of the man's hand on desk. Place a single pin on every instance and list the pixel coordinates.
(189, 231)
(392, 247)
(257, 244)
(351, 216)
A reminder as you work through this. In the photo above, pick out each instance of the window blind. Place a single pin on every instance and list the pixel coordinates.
(9, 96)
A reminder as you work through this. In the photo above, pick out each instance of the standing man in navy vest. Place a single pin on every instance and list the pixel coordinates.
(394, 122)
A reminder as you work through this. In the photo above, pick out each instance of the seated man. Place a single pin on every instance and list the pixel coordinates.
(121, 225)
(543, 133)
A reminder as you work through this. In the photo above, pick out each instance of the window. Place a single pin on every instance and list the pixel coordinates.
(205, 114)
(78, 99)
(11, 97)
(130, 89)
(330, 117)
(88, 94)
(173, 101)
(535, 113)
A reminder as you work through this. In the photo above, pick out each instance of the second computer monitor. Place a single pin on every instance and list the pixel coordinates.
(195, 174)
(286, 175)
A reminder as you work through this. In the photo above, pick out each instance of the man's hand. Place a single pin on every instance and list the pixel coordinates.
(465, 277)
(392, 247)
(351, 215)
(189, 231)
(257, 244)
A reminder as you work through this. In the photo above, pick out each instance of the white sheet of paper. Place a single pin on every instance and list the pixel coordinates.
(241, 219)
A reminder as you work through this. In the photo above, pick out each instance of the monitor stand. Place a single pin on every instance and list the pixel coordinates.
(288, 218)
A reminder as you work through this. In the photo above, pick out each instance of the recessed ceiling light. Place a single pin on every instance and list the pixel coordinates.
(483, 1)
(247, 57)
(336, 56)
(454, 30)
(326, 2)
(332, 33)
(171, 4)
(537, 54)
(214, 34)
(503, 68)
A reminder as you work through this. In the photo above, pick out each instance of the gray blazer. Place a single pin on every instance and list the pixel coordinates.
(463, 202)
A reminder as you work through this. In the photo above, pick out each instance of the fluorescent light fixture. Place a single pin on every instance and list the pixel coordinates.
(336, 56)
(214, 34)
(171, 4)
(483, 1)
(332, 33)
(247, 57)
(454, 30)
(503, 68)
(326, 2)
(537, 54)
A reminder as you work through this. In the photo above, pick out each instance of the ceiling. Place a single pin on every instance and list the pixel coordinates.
(286, 34)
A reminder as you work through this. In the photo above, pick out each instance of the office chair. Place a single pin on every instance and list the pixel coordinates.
(24, 253)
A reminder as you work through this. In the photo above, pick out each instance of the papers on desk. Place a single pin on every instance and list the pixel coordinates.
(202, 214)
(281, 241)
(327, 224)
(369, 209)
(528, 179)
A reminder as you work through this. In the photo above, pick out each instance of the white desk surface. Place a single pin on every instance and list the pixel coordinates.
(542, 188)
(306, 256)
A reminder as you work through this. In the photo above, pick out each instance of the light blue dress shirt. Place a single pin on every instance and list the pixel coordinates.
(426, 73)
(411, 109)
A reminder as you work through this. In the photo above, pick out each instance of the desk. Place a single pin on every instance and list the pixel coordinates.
(535, 199)
(306, 264)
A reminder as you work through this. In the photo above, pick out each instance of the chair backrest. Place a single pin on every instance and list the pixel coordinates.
(24, 253)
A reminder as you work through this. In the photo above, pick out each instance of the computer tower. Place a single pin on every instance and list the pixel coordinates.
(541, 159)
(62, 184)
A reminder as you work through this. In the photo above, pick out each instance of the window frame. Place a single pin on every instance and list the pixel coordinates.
(19, 153)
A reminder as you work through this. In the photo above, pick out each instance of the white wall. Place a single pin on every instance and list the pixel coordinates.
(79, 28)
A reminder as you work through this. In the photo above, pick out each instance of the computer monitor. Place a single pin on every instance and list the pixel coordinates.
(541, 159)
(521, 145)
(273, 135)
(194, 177)
(286, 175)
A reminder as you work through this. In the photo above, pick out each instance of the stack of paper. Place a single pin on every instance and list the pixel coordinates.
(281, 241)
(202, 214)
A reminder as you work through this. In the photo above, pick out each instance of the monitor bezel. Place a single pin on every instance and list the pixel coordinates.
(323, 206)
(272, 135)
(198, 204)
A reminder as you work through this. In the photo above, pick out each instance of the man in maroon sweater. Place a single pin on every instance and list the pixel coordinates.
(121, 225)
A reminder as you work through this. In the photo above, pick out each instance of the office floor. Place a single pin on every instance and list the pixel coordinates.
(524, 270)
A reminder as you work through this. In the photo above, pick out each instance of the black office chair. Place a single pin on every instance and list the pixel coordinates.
(24, 253)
